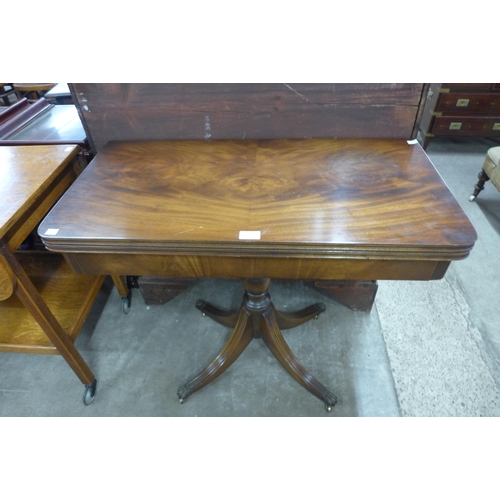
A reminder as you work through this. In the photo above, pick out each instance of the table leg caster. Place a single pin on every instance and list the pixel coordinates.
(126, 303)
(89, 393)
(200, 304)
(183, 393)
(330, 401)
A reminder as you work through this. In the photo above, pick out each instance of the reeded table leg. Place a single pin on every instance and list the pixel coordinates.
(226, 318)
(291, 320)
(258, 318)
(273, 338)
(240, 338)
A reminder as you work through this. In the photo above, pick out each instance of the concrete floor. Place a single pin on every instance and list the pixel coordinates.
(425, 349)
(444, 349)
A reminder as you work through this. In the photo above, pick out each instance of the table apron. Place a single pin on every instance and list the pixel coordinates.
(250, 267)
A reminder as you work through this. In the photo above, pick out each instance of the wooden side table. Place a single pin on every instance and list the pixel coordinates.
(257, 210)
(32, 90)
(43, 304)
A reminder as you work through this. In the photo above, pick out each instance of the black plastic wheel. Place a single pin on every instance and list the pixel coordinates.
(126, 303)
(89, 393)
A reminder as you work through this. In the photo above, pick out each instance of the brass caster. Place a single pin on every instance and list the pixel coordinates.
(472, 197)
(330, 401)
(183, 393)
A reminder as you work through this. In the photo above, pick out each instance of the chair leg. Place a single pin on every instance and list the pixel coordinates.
(483, 177)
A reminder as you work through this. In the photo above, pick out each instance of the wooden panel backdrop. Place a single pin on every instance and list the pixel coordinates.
(137, 111)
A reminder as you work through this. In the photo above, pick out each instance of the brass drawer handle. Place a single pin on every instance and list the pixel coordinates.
(462, 103)
(455, 125)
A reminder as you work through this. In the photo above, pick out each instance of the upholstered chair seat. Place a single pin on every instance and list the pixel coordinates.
(490, 172)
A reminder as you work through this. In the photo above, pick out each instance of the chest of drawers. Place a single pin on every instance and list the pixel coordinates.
(461, 109)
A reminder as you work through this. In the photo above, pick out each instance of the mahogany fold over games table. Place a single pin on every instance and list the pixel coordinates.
(259, 210)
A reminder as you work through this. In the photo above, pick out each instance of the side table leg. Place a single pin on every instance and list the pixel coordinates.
(274, 340)
(240, 338)
(226, 318)
(31, 299)
(291, 320)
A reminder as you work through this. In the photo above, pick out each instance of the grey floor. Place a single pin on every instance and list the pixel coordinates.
(425, 349)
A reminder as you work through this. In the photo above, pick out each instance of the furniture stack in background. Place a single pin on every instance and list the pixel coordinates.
(461, 110)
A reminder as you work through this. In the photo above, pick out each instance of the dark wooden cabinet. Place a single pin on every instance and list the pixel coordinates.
(461, 109)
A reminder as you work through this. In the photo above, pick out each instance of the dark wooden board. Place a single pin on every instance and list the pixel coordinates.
(160, 111)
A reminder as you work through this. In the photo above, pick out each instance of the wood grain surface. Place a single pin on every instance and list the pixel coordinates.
(68, 295)
(351, 199)
(25, 174)
(169, 111)
(7, 279)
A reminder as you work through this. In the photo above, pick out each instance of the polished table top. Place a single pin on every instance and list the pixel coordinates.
(297, 201)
